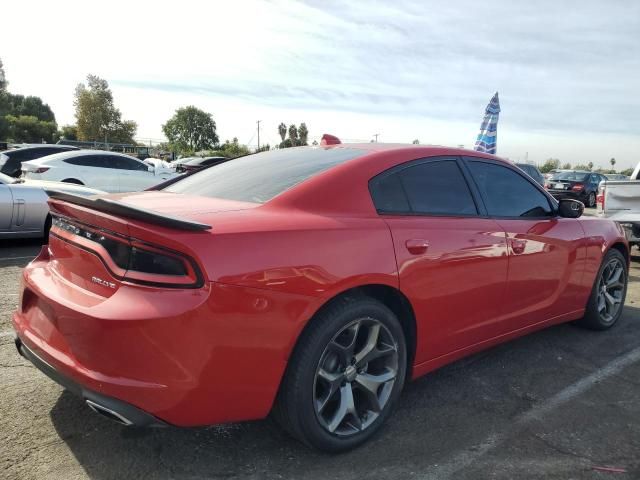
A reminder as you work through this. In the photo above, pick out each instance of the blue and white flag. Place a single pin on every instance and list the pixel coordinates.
(487, 140)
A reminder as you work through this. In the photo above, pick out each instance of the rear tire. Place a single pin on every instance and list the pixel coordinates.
(591, 200)
(47, 227)
(345, 375)
(606, 301)
(73, 180)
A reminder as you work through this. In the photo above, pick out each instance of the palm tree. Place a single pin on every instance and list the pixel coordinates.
(612, 162)
(416, 142)
(282, 130)
(303, 133)
(293, 134)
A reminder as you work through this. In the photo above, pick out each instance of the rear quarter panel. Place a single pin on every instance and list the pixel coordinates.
(600, 235)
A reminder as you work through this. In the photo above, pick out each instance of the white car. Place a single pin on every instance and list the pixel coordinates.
(108, 171)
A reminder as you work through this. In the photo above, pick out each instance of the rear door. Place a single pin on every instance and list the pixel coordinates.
(452, 262)
(546, 252)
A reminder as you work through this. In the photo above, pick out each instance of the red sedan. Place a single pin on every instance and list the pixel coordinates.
(310, 283)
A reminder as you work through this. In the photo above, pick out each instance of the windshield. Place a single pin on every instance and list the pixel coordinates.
(260, 177)
(570, 176)
(6, 179)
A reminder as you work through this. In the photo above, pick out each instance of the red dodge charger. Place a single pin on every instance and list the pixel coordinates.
(310, 283)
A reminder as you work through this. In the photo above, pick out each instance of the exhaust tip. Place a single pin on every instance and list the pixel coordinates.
(108, 413)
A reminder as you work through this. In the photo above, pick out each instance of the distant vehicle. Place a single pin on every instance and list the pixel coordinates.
(198, 163)
(615, 177)
(11, 160)
(108, 171)
(24, 211)
(555, 172)
(619, 200)
(158, 163)
(578, 185)
(141, 152)
(532, 171)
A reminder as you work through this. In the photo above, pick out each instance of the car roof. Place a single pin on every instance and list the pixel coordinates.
(79, 153)
(26, 148)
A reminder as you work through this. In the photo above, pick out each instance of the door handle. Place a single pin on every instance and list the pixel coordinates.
(417, 246)
(518, 245)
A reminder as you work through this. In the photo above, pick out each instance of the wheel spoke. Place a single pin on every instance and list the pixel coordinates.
(371, 385)
(333, 380)
(614, 280)
(346, 407)
(370, 345)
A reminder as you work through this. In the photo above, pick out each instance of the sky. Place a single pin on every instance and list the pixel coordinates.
(568, 72)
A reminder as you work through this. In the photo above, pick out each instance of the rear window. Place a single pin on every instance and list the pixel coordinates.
(260, 177)
(571, 176)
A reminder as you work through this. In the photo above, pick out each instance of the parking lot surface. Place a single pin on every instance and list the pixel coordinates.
(559, 404)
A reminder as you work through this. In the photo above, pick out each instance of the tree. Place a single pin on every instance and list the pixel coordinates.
(550, 164)
(566, 166)
(28, 129)
(303, 133)
(627, 172)
(282, 130)
(231, 149)
(97, 117)
(191, 130)
(69, 132)
(416, 142)
(3, 78)
(590, 165)
(613, 163)
(293, 134)
(581, 167)
(263, 148)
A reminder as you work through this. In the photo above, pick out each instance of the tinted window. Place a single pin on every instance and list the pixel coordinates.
(388, 194)
(571, 176)
(507, 193)
(86, 161)
(436, 188)
(260, 177)
(125, 163)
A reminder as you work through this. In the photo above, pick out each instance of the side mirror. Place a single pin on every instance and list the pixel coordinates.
(569, 208)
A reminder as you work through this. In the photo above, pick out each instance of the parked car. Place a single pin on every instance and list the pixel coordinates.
(619, 200)
(23, 205)
(532, 171)
(578, 185)
(198, 163)
(307, 282)
(158, 163)
(109, 171)
(11, 160)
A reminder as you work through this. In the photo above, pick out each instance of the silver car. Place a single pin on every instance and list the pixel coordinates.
(24, 211)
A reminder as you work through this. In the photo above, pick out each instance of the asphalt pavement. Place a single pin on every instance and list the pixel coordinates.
(563, 403)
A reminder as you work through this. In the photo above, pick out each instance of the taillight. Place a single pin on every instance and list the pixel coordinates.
(578, 187)
(129, 258)
(600, 198)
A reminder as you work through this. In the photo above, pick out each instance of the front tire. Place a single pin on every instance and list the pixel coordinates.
(345, 375)
(606, 301)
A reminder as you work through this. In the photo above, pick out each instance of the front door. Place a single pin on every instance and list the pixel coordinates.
(452, 263)
(545, 251)
(6, 207)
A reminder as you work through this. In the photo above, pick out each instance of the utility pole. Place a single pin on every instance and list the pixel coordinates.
(376, 135)
(258, 122)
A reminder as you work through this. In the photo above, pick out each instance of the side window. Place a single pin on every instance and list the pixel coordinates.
(507, 193)
(431, 188)
(127, 163)
(85, 161)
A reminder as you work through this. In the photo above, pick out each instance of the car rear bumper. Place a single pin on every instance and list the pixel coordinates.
(186, 358)
(560, 194)
(112, 408)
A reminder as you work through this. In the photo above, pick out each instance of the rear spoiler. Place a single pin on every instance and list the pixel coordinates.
(122, 209)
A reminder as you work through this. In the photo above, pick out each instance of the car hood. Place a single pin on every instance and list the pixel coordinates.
(61, 186)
